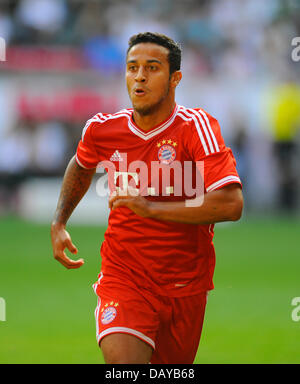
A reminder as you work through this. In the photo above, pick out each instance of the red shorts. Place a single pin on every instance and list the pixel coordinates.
(170, 325)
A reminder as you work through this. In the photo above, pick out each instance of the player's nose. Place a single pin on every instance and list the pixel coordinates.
(140, 75)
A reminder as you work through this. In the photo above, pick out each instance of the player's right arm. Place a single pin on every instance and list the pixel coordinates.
(75, 184)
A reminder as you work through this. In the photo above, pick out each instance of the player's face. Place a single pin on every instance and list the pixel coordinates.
(148, 77)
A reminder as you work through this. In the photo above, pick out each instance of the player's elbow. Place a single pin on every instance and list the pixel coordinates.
(237, 206)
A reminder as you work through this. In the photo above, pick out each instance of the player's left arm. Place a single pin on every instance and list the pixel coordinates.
(225, 204)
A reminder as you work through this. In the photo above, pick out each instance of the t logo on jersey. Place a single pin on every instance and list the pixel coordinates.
(125, 180)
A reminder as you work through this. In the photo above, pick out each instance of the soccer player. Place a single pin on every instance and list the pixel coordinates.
(157, 256)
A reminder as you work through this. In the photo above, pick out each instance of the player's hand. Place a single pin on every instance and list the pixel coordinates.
(60, 241)
(132, 200)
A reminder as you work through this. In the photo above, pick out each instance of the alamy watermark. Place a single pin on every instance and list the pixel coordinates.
(296, 51)
(296, 311)
(2, 309)
(2, 49)
(162, 179)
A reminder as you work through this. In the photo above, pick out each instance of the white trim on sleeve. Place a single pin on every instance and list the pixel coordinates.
(225, 180)
(81, 163)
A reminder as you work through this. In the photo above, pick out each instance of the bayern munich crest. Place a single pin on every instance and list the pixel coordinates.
(108, 314)
(166, 153)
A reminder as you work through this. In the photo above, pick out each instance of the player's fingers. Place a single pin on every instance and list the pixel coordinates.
(110, 201)
(71, 247)
(120, 203)
(67, 262)
(72, 264)
(113, 199)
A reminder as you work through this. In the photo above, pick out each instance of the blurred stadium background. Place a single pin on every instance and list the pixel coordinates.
(64, 63)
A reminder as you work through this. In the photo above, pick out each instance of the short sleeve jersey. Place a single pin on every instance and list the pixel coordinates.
(172, 162)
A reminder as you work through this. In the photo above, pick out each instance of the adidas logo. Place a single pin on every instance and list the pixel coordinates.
(116, 156)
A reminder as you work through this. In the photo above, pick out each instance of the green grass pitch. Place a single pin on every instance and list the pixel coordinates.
(50, 310)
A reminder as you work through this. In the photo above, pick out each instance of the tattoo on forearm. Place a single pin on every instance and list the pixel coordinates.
(75, 184)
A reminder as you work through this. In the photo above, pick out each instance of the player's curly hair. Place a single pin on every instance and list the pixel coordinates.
(174, 48)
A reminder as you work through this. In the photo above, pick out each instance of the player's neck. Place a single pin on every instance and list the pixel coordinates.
(153, 119)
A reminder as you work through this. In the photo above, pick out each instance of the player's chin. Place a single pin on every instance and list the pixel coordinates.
(143, 108)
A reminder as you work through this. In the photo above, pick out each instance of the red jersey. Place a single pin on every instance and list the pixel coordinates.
(168, 258)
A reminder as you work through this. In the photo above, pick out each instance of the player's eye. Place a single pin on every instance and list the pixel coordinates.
(132, 68)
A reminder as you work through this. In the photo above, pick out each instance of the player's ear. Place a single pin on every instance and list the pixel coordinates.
(175, 78)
